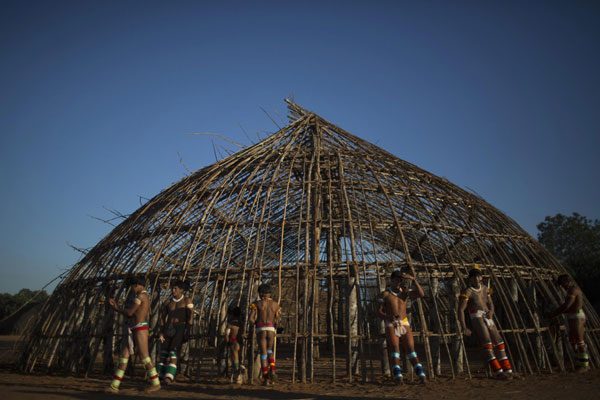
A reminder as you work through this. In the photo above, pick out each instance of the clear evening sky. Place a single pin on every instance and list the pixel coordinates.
(97, 97)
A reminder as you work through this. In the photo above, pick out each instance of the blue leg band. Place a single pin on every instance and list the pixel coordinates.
(269, 351)
(419, 370)
(395, 355)
(397, 371)
(412, 355)
(263, 357)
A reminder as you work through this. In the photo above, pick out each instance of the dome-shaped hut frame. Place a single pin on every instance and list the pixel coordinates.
(324, 217)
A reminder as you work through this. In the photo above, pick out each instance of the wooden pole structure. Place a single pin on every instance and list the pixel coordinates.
(324, 217)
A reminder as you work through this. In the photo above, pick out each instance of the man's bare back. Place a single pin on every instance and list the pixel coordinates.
(266, 310)
(577, 304)
(265, 313)
(142, 314)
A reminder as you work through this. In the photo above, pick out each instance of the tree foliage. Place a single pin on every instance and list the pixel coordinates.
(575, 241)
(10, 303)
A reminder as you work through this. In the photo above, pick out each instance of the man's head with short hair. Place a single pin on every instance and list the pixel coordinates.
(264, 290)
(475, 272)
(177, 288)
(397, 274)
(178, 283)
(135, 280)
(563, 280)
(475, 277)
(396, 279)
(235, 311)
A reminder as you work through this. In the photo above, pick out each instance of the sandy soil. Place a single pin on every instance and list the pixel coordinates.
(14, 385)
(558, 386)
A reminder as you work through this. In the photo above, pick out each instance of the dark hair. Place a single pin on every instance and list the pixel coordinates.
(562, 278)
(135, 280)
(264, 289)
(396, 274)
(179, 283)
(235, 311)
(475, 272)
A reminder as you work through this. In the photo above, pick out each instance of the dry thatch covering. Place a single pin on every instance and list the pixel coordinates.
(323, 216)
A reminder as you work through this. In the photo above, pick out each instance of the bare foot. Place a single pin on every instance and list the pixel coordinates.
(422, 379)
(398, 381)
(111, 389)
(152, 388)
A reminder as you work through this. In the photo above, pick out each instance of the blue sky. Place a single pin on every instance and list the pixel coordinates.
(97, 98)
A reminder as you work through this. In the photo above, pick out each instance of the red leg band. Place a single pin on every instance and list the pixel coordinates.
(505, 364)
(495, 365)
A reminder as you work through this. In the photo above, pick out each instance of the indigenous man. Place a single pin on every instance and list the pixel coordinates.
(572, 308)
(137, 313)
(392, 309)
(265, 313)
(233, 338)
(481, 311)
(175, 325)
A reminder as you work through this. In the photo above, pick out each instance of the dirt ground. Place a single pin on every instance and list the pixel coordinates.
(14, 385)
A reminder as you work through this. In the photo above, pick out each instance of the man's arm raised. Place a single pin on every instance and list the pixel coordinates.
(418, 291)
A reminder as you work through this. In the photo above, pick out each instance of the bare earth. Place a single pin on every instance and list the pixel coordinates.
(558, 386)
(14, 385)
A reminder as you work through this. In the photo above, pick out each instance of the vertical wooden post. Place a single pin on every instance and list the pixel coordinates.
(539, 345)
(436, 340)
(513, 292)
(353, 368)
(385, 357)
(458, 343)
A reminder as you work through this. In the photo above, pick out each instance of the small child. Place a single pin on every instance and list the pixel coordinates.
(232, 338)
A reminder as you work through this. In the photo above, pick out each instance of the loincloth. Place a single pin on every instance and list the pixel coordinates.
(578, 315)
(399, 326)
(142, 326)
(481, 314)
(265, 327)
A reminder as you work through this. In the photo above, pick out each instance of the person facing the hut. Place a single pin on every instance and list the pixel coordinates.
(573, 310)
(477, 298)
(233, 334)
(265, 313)
(175, 325)
(137, 313)
(392, 309)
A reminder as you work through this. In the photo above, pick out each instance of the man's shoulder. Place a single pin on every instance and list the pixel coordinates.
(575, 291)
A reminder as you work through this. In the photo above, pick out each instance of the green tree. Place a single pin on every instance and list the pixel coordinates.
(10, 303)
(575, 241)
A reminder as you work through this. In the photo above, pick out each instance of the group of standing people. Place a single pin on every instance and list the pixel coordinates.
(175, 324)
(477, 299)
(177, 317)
